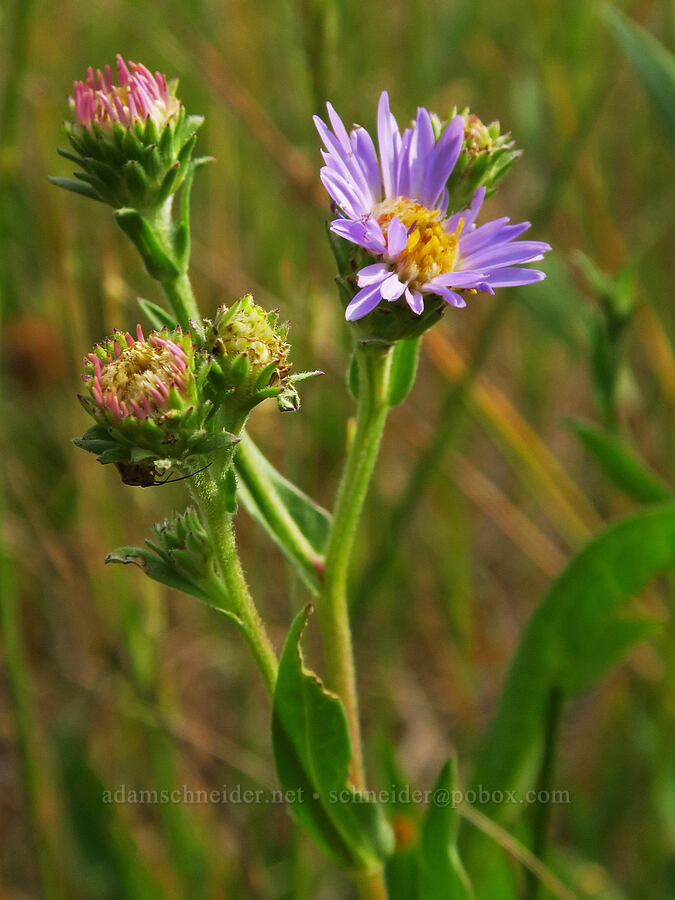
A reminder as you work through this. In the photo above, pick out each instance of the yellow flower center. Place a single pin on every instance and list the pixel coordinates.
(430, 250)
(134, 374)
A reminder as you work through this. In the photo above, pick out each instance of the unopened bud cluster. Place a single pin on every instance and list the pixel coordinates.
(164, 401)
(132, 140)
(485, 156)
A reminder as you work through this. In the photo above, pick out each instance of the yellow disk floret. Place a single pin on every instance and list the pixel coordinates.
(430, 250)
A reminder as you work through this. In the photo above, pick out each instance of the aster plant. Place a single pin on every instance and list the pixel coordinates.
(174, 403)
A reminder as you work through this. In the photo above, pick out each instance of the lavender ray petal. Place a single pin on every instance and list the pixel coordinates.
(346, 195)
(367, 234)
(443, 161)
(392, 287)
(397, 237)
(372, 274)
(510, 277)
(389, 140)
(415, 301)
(364, 148)
(364, 302)
(506, 254)
(452, 298)
(420, 153)
(338, 128)
(457, 279)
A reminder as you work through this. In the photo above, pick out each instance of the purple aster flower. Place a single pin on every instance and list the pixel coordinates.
(395, 207)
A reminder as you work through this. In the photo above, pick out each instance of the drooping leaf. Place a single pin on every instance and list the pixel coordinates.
(653, 64)
(575, 635)
(297, 524)
(312, 751)
(403, 370)
(620, 463)
(158, 570)
(442, 875)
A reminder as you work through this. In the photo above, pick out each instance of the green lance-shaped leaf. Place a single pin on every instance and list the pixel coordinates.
(312, 751)
(403, 370)
(297, 524)
(653, 63)
(618, 461)
(574, 637)
(442, 876)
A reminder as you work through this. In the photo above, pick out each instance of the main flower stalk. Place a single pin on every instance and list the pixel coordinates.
(374, 361)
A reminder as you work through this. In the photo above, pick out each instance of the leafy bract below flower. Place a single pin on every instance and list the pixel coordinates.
(395, 208)
(146, 397)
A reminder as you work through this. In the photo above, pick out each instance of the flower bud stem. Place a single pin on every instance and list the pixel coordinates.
(209, 496)
(373, 361)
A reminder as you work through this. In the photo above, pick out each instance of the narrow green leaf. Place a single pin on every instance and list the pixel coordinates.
(157, 316)
(574, 637)
(157, 262)
(312, 751)
(94, 445)
(403, 369)
(77, 187)
(297, 524)
(653, 63)
(442, 876)
(620, 463)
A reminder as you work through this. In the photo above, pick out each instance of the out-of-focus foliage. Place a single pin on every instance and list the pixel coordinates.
(125, 685)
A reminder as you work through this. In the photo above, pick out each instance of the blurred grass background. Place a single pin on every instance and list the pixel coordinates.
(124, 683)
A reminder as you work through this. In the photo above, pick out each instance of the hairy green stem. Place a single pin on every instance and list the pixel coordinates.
(182, 299)
(219, 524)
(178, 288)
(373, 362)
